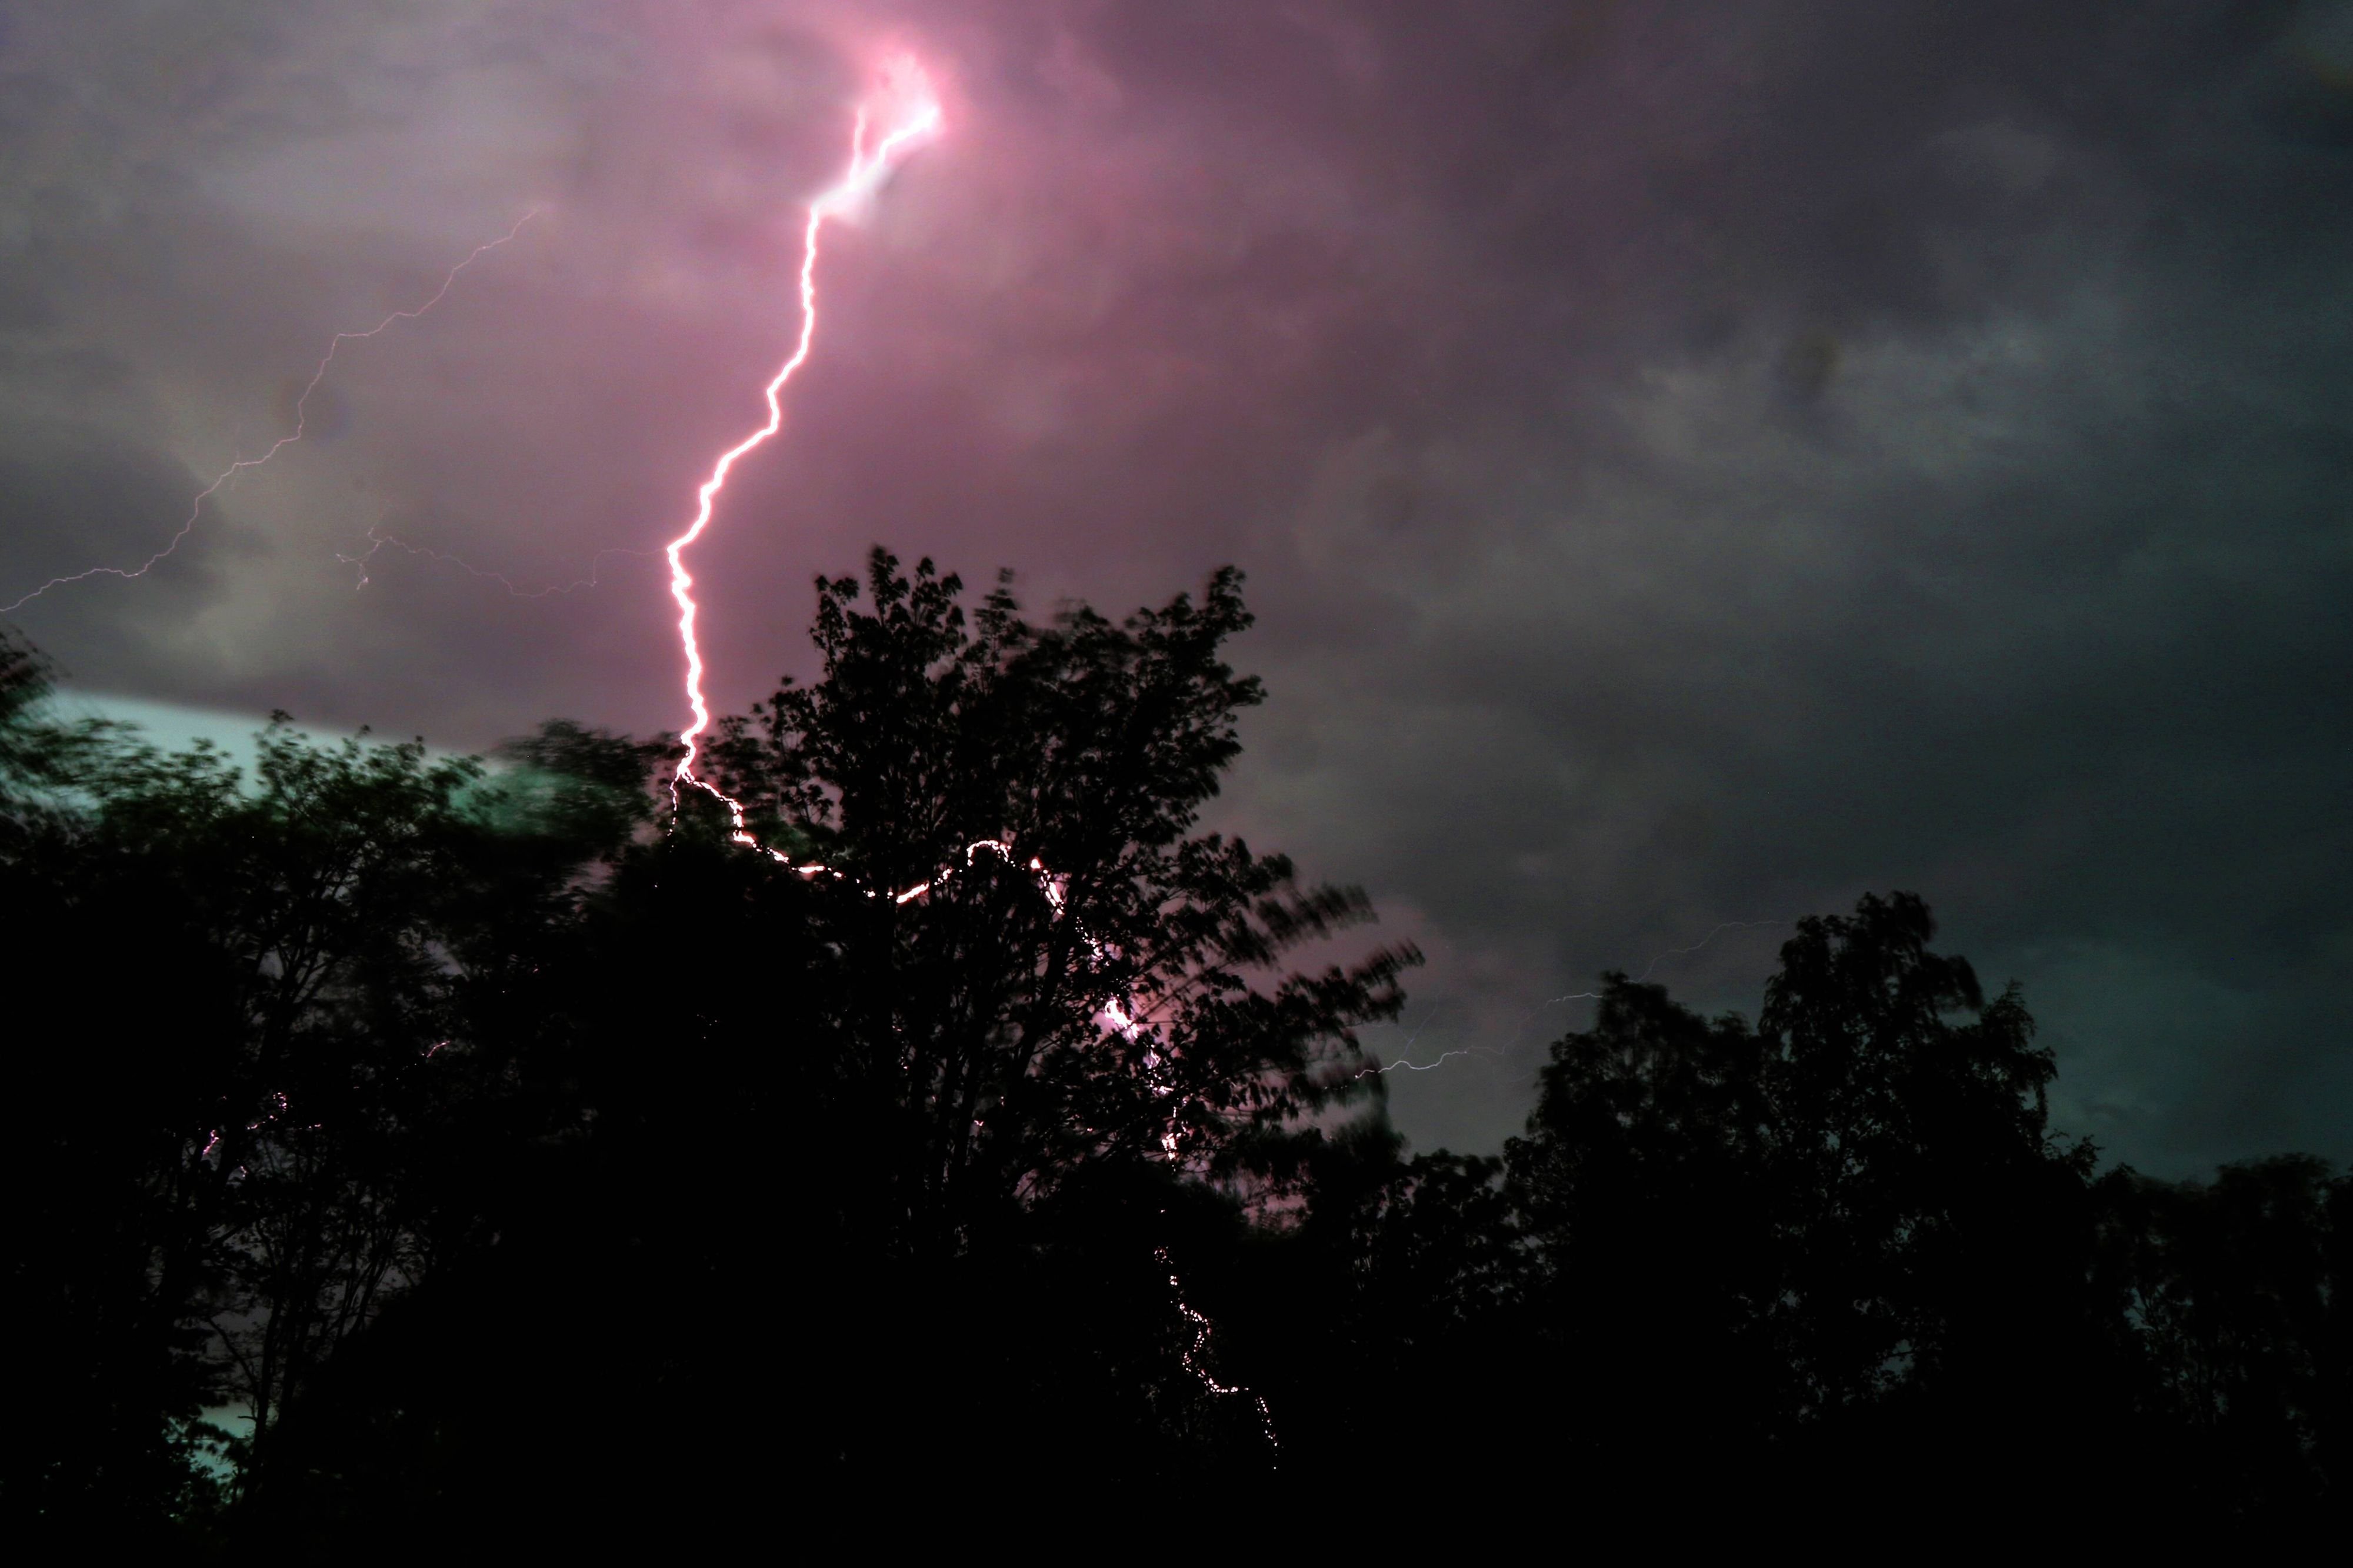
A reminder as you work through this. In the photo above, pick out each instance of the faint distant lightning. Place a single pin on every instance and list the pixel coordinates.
(379, 542)
(1651, 967)
(196, 507)
(1711, 936)
(1443, 1058)
(868, 170)
(1404, 1054)
(1648, 970)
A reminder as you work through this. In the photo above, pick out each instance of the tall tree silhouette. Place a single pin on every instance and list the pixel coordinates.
(2242, 1293)
(126, 1035)
(892, 1137)
(1845, 1227)
(1914, 1157)
(1040, 784)
(1646, 1183)
(535, 1163)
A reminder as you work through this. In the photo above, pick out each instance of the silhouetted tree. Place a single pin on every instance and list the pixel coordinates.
(544, 1160)
(1009, 807)
(240, 1127)
(1843, 1232)
(1386, 1317)
(24, 684)
(1646, 1182)
(2240, 1293)
(124, 1034)
(1914, 1160)
(888, 1138)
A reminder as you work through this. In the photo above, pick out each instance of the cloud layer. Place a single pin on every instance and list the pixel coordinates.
(1694, 465)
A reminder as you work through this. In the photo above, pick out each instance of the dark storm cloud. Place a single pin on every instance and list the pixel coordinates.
(65, 492)
(1694, 462)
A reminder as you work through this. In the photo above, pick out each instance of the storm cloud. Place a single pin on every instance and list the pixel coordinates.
(1694, 464)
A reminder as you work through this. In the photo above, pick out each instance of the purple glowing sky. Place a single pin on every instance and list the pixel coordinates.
(1692, 463)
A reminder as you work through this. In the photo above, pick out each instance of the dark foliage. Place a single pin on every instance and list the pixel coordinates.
(531, 1156)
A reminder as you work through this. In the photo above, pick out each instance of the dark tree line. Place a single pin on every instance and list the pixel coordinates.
(498, 1152)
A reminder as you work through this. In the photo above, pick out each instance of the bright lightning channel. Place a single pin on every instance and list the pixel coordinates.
(301, 413)
(920, 120)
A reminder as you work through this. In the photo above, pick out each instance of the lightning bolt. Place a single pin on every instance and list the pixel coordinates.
(1194, 1353)
(301, 412)
(1405, 1053)
(919, 119)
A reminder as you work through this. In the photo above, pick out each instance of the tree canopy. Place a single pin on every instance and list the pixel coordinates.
(500, 1146)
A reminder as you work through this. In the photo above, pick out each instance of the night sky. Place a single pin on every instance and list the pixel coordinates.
(1693, 463)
